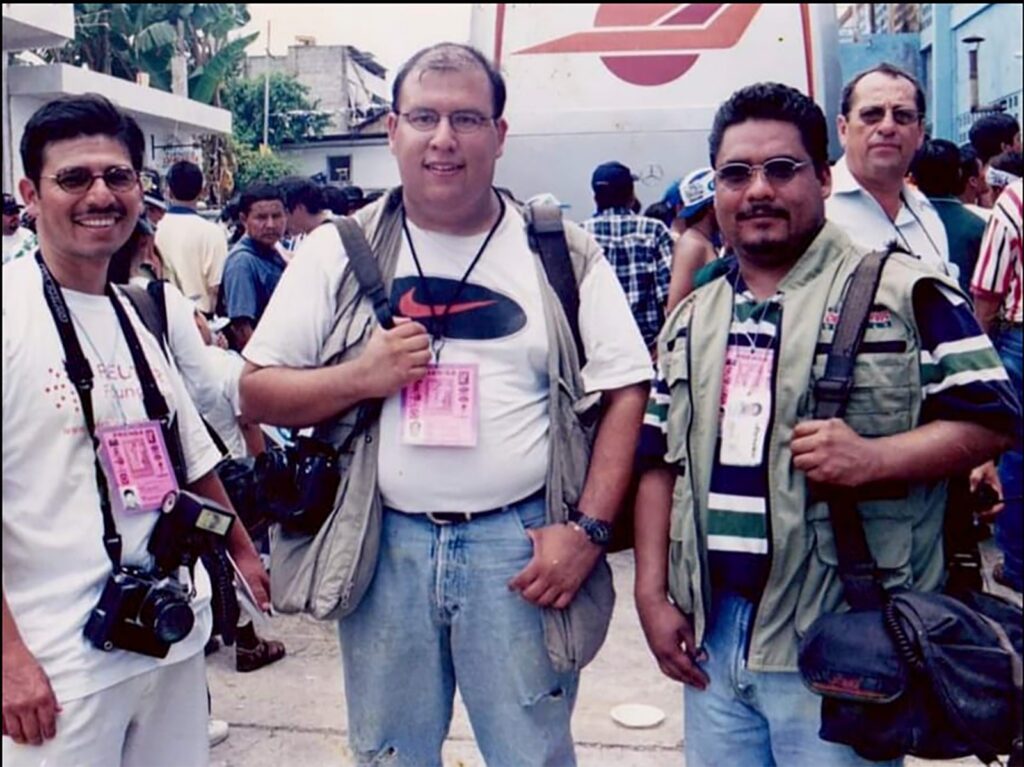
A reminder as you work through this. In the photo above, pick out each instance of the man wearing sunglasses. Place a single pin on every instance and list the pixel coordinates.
(735, 558)
(881, 127)
(84, 380)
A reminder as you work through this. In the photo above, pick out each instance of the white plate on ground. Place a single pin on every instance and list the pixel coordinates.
(637, 716)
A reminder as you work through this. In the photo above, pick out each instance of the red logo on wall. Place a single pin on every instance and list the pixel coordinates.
(655, 43)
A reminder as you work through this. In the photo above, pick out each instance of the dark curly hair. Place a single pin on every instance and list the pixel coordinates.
(774, 101)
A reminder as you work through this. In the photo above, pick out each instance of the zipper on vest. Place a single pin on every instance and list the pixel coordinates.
(701, 556)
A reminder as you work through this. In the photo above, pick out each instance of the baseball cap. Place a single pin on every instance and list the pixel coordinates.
(697, 190)
(11, 205)
(611, 175)
(672, 198)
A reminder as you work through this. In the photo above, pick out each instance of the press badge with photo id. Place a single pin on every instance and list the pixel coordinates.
(747, 394)
(137, 466)
(441, 409)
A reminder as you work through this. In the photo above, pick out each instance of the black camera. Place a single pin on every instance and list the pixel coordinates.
(147, 610)
(299, 483)
(140, 611)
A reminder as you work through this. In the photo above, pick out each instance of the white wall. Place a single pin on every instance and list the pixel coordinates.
(373, 166)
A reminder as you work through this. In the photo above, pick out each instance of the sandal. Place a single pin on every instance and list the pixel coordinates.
(265, 652)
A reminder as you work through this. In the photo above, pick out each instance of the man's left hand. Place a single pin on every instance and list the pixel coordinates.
(255, 574)
(562, 559)
(831, 453)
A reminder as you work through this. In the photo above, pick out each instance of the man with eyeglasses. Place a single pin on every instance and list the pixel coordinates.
(881, 127)
(466, 547)
(86, 471)
(735, 556)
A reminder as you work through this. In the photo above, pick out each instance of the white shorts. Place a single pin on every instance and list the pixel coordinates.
(156, 719)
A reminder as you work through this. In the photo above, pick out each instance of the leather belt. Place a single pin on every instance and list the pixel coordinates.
(458, 517)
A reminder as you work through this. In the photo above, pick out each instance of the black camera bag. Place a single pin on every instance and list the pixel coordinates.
(935, 675)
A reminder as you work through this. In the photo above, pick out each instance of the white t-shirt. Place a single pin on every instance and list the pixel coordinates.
(196, 250)
(224, 411)
(499, 326)
(54, 562)
(917, 226)
(21, 243)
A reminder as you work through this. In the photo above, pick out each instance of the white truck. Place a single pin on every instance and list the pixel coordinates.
(640, 83)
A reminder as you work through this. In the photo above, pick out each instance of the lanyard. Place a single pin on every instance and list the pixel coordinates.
(80, 373)
(438, 329)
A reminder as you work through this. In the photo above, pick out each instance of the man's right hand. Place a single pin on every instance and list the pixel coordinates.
(29, 706)
(395, 358)
(670, 637)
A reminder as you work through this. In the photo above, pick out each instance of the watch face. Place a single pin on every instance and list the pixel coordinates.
(599, 532)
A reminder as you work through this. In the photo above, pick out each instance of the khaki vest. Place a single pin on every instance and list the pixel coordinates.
(903, 523)
(327, 575)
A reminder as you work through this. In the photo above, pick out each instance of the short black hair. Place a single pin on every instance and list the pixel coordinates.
(1008, 162)
(774, 101)
(661, 211)
(258, 192)
(69, 117)
(991, 132)
(336, 200)
(885, 68)
(936, 169)
(449, 57)
(303, 191)
(185, 181)
(970, 163)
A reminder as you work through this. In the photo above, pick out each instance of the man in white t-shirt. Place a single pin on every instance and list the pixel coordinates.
(195, 248)
(471, 565)
(68, 525)
(881, 128)
(18, 241)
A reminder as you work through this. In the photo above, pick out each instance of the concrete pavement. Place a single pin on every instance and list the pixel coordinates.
(292, 714)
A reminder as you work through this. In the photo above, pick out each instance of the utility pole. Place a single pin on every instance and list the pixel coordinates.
(265, 147)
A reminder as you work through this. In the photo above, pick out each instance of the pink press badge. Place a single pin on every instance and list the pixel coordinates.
(138, 467)
(441, 409)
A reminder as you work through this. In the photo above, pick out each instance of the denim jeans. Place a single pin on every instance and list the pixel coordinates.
(754, 718)
(1009, 344)
(438, 614)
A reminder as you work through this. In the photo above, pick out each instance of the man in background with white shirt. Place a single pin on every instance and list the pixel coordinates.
(881, 126)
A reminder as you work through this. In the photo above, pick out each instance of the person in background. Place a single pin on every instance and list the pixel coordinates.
(976, 194)
(193, 248)
(1003, 170)
(18, 241)
(638, 248)
(997, 287)
(700, 241)
(881, 127)
(936, 170)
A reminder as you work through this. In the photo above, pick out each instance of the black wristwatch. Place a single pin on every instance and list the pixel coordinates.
(596, 530)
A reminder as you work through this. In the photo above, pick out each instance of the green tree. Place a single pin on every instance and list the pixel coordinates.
(253, 165)
(293, 115)
(124, 39)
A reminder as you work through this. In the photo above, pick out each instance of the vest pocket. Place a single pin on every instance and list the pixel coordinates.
(889, 539)
(879, 411)
(683, 550)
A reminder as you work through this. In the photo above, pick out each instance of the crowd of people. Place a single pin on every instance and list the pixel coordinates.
(501, 422)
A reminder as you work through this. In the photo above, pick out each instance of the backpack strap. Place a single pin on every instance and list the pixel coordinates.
(365, 268)
(547, 237)
(151, 305)
(857, 568)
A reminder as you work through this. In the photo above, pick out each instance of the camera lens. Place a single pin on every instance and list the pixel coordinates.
(170, 616)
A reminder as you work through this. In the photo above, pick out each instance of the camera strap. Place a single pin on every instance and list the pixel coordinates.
(80, 373)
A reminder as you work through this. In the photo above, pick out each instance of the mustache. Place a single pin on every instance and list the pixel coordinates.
(109, 210)
(759, 211)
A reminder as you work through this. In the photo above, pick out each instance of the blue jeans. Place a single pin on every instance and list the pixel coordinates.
(1009, 344)
(439, 613)
(754, 718)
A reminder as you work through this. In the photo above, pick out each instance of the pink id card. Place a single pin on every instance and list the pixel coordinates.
(138, 467)
(441, 409)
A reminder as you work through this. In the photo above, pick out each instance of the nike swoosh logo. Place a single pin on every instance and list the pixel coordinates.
(409, 307)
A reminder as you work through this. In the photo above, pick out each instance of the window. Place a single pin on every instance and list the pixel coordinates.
(339, 168)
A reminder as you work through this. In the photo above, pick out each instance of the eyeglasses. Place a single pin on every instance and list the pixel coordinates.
(778, 170)
(78, 180)
(462, 121)
(900, 115)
